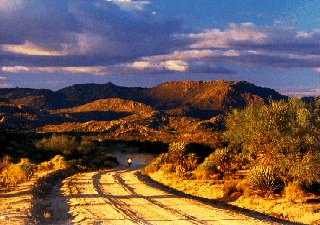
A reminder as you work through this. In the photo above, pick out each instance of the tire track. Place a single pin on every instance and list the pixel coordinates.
(118, 205)
(131, 191)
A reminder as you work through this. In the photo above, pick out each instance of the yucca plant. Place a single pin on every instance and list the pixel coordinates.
(264, 179)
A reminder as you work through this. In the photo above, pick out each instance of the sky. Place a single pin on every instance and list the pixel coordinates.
(54, 44)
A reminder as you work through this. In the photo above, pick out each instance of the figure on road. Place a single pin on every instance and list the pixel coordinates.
(129, 161)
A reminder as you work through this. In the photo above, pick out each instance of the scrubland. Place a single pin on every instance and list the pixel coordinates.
(268, 161)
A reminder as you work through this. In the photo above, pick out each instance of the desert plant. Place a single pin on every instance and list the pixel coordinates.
(67, 145)
(295, 193)
(265, 180)
(207, 169)
(56, 163)
(243, 187)
(229, 187)
(178, 159)
(157, 163)
(286, 133)
(181, 158)
(222, 158)
(15, 173)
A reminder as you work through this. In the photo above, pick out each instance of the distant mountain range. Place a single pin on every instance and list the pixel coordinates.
(172, 109)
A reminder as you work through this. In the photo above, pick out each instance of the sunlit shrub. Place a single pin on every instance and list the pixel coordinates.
(181, 158)
(5, 162)
(222, 158)
(265, 180)
(294, 193)
(56, 163)
(285, 133)
(229, 187)
(178, 160)
(207, 169)
(157, 163)
(19, 172)
(243, 186)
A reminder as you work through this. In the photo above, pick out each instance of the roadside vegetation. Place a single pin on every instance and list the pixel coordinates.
(49, 154)
(13, 173)
(268, 152)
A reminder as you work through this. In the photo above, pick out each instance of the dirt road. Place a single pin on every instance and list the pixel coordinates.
(119, 197)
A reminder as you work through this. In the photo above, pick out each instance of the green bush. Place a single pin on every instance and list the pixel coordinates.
(286, 134)
(222, 158)
(178, 160)
(67, 145)
(265, 180)
(207, 169)
(181, 158)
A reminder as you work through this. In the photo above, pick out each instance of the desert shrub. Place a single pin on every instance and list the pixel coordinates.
(19, 172)
(181, 158)
(157, 163)
(229, 187)
(168, 168)
(243, 186)
(285, 133)
(222, 158)
(220, 161)
(265, 180)
(207, 169)
(5, 162)
(294, 193)
(56, 163)
(178, 160)
(67, 145)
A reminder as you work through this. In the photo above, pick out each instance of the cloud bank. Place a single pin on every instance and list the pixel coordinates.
(110, 37)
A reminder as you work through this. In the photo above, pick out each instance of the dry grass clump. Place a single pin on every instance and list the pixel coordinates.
(56, 163)
(13, 173)
(156, 164)
(229, 187)
(294, 193)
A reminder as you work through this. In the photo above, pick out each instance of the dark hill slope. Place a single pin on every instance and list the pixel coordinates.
(35, 98)
(208, 95)
(79, 94)
(197, 95)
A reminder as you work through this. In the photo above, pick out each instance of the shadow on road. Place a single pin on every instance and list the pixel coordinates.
(48, 205)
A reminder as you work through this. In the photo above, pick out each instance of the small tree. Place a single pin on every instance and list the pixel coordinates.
(283, 134)
(181, 158)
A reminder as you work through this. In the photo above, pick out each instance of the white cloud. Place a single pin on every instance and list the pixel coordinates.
(175, 65)
(130, 5)
(29, 48)
(216, 38)
(317, 69)
(96, 70)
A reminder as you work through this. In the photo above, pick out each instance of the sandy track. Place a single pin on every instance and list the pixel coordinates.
(119, 197)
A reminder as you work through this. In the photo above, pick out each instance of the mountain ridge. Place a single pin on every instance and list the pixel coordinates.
(204, 95)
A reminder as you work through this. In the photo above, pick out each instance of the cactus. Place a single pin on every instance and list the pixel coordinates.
(264, 179)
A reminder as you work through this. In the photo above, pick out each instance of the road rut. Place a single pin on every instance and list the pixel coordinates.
(119, 197)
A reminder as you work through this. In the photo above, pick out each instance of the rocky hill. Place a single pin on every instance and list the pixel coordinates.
(187, 110)
(201, 95)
